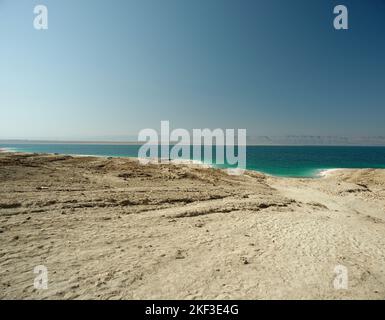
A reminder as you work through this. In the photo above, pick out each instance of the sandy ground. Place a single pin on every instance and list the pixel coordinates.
(115, 229)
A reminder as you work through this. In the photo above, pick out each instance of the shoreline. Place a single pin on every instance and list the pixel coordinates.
(319, 173)
(323, 173)
(186, 162)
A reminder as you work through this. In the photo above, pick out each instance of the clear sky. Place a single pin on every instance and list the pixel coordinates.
(106, 69)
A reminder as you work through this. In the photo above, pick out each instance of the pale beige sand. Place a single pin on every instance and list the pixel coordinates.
(112, 229)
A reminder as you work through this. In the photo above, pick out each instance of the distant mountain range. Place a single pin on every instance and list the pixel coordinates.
(316, 140)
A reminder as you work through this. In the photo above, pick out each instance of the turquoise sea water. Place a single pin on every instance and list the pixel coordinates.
(293, 161)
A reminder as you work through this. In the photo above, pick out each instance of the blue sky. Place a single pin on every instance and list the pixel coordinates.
(106, 69)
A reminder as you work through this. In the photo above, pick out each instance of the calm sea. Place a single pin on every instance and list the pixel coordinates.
(293, 161)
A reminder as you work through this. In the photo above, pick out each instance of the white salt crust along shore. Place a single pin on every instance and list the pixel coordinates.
(328, 172)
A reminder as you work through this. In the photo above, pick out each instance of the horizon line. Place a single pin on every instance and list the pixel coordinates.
(109, 142)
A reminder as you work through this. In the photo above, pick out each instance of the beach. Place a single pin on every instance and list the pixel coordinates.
(112, 228)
